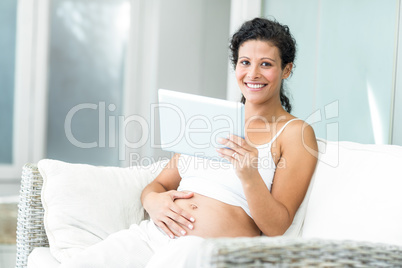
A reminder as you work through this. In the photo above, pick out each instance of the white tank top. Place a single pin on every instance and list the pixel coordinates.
(218, 179)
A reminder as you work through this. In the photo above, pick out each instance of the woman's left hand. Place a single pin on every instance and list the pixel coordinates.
(243, 156)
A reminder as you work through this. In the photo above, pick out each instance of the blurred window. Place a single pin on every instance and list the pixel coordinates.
(8, 14)
(86, 67)
(345, 67)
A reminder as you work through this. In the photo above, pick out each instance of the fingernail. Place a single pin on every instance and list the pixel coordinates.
(183, 232)
(171, 236)
(192, 219)
(190, 226)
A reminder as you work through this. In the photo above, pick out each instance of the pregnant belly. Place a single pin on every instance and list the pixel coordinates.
(214, 218)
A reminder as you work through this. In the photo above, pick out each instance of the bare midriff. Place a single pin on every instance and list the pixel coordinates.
(214, 218)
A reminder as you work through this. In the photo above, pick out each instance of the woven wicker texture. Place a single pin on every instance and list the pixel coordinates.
(281, 252)
(30, 228)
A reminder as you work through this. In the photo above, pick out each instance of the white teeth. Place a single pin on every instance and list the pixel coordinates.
(255, 85)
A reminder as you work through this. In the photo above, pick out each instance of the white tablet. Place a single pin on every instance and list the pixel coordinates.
(190, 124)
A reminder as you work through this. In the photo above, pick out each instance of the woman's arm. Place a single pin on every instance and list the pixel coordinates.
(273, 212)
(158, 200)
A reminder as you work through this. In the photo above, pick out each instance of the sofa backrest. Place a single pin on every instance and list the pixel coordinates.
(356, 193)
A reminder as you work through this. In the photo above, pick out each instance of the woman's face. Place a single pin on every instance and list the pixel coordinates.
(258, 71)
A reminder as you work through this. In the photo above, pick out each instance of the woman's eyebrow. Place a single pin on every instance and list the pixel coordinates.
(265, 58)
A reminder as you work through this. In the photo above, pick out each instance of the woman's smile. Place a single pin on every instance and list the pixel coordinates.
(252, 86)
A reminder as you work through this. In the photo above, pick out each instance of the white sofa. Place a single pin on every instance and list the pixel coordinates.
(352, 216)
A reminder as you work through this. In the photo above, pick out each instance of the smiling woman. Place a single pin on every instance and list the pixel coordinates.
(244, 198)
(260, 187)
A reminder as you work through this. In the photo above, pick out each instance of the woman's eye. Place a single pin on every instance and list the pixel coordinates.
(266, 64)
(244, 62)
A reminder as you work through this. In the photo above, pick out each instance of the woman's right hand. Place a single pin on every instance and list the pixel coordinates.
(166, 214)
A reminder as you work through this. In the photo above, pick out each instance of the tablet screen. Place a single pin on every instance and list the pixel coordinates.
(191, 124)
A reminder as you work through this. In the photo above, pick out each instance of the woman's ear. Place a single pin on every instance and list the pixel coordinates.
(287, 70)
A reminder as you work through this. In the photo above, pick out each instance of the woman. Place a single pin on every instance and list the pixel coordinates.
(260, 190)
(247, 198)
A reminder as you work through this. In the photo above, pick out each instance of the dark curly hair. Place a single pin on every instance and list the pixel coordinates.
(266, 30)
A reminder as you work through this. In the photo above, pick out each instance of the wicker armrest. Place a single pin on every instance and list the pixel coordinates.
(285, 252)
(30, 228)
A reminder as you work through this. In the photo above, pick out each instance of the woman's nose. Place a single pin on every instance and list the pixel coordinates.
(253, 73)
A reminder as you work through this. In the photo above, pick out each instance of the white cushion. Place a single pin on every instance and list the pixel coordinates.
(84, 204)
(357, 194)
(42, 258)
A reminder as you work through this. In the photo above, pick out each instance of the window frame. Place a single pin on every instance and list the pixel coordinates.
(30, 89)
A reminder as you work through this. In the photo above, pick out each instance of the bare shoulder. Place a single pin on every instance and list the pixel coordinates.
(299, 136)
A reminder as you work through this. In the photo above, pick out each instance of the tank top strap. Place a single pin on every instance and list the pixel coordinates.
(280, 131)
